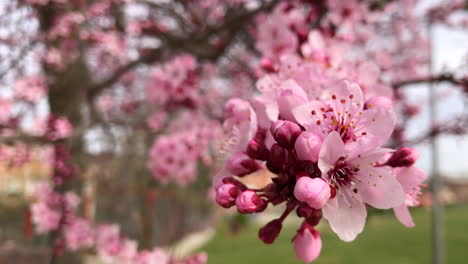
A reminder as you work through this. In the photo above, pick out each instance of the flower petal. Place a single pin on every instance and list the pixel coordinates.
(290, 95)
(346, 215)
(332, 149)
(403, 215)
(376, 185)
(410, 177)
(377, 124)
(302, 114)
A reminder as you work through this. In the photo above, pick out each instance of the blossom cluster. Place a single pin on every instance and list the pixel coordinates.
(53, 211)
(175, 156)
(322, 137)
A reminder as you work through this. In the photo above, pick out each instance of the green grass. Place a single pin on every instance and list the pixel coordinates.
(384, 240)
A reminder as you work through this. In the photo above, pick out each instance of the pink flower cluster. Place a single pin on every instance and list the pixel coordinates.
(30, 89)
(175, 156)
(174, 82)
(53, 211)
(322, 137)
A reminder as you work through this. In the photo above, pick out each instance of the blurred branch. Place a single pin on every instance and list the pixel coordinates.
(458, 126)
(98, 87)
(16, 61)
(196, 43)
(23, 138)
(445, 77)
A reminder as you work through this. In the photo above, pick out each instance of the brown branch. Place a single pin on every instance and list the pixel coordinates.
(16, 61)
(23, 138)
(445, 77)
(232, 25)
(98, 87)
(458, 126)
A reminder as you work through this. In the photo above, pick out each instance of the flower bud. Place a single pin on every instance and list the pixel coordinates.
(307, 243)
(226, 195)
(270, 231)
(285, 133)
(257, 150)
(267, 64)
(249, 202)
(403, 157)
(277, 157)
(315, 192)
(380, 101)
(307, 146)
(240, 164)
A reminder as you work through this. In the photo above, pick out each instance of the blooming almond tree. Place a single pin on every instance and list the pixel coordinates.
(128, 95)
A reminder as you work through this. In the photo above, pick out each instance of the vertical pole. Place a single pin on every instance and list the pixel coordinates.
(438, 249)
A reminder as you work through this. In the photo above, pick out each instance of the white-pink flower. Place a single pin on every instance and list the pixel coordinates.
(342, 110)
(358, 181)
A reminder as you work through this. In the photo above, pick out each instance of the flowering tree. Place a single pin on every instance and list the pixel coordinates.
(145, 81)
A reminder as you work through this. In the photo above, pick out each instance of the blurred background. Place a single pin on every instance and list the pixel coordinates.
(134, 77)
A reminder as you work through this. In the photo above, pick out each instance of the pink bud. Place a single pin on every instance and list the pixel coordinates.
(315, 192)
(380, 101)
(249, 202)
(267, 64)
(240, 164)
(285, 133)
(270, 231)
(226, 195)
(403, 157)
(257, 150)
(307, 244)
(308, 146)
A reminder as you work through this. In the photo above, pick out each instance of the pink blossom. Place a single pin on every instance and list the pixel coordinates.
(30, 89)
(78, 234)
(63, 129)
(156, 121)
(107, 241)
(411, 179)
(357, 181)
(5, 110)
(342, 110)
(241, 119)
(45, 218)
(274, 36)
(156, 256)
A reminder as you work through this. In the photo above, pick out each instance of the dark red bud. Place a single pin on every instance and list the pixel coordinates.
(285, 133)
(257, 150)
(403, 157)
(267, 65)
(240, 164)
(270, 231)
(278, 157)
